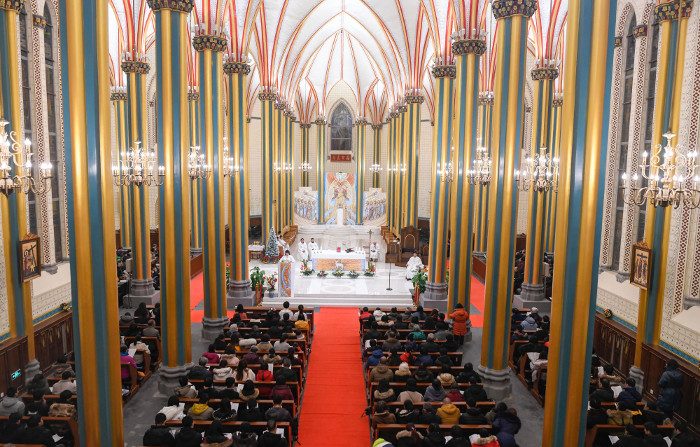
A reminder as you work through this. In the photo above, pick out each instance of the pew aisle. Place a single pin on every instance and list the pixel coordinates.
(334, 398)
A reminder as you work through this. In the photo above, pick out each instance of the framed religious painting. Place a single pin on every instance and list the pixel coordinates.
(29, 258)
(640, 274)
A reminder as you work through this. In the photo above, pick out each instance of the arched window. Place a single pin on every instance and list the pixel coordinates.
(341, 129)
(624, 141)
(52, 115)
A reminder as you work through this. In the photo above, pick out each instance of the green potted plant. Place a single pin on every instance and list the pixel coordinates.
(419, 280)
(257, 278)
(353, 274)
(322, 274)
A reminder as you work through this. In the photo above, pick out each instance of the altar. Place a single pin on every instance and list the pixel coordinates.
(326, 260)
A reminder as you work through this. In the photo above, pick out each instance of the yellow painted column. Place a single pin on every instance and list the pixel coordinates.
(141, 289)
(195, 185)
(511, 40)
(412, 148)
(376, 153)
(172, 49)
(361, 124)
(532, 291)
(401, 178)
(442, 174)
(118, 99)
(588, 74)
(211, 131)
(13, 205)
(90, 195)
(239, 291)
(321, 168)
(554, 138)
(267, 126)
(391, 173)
(672, 17)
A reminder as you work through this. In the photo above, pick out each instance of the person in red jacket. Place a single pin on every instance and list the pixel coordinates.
(459, 322)
(282, 390)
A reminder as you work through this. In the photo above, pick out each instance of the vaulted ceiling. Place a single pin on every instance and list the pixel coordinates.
(302, 48)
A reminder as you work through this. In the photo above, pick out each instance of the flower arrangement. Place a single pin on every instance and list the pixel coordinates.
(371, 269)
(338, 272)
(419, 281)
(322, 274)
(353, 274)
(271, 281)
(306, 269)
(257, 278)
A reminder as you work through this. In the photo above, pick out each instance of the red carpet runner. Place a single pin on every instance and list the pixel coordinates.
(334, 398)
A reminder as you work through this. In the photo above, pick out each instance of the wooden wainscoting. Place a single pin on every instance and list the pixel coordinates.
(53, 338)
(614, 343)
(13, 357)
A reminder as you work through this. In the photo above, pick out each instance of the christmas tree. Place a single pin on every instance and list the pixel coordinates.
(272, 251)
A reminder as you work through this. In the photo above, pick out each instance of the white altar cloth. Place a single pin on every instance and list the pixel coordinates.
(355, 259)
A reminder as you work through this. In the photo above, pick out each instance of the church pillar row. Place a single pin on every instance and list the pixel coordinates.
(304, 153)
(239, 291)
(467, 51)
(282, 195)
(13, 207)
(672, 17)
(376, 153)
(195, 184)
(277, 163)
(90, 196)
(400, 192)
(141, 283)
(543, 90)
(436, 288)
(119, 101)
(391, 173)
(412, 143)
(267, 113)
(361, 124)
(290, 168)
(211, 131)
(509, 84)
(551, 199)
(481, 190)
(588, 74)
(172, 48)
(321, 168)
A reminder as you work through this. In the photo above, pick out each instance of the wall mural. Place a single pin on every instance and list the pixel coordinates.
(340, 194)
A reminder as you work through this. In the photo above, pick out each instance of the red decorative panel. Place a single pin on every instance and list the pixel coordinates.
(342, 158)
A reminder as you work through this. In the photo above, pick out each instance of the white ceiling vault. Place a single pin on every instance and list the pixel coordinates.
(300, 49)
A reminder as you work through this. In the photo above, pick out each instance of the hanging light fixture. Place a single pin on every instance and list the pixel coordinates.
(670, 178)
(228, 166)
(19, 156)
(375, 168)
(138, 166)
(540, 172)
(446, 173)
(197, 168)
(480, 173)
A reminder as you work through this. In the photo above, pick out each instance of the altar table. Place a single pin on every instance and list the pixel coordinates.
(326, 259)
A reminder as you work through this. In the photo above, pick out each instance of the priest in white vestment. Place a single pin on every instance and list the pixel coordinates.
(413, 266)
(313, 246)
(374, 252)
(303, 250)
(286, 275)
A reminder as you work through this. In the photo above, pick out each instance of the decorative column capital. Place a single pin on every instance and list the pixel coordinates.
(193, 95)
(558, 100)
(508, 8)
(12, 5)
(247, 119)
(132, 66)
(280, 104)
(320, 121)
(289, 113)
(305, 125)
(640, 31)
(445, 71)
(237, 67)
(401, 108)
(618, 41)
(414, 98)
(212, 42)
(361, 121)
(173, 5)
(486, 98)
(544, 73)
(39, 21)
(377, 126)
(118, 94)
(671, 10)
(465, 46)
(686, 7)
(267, 94)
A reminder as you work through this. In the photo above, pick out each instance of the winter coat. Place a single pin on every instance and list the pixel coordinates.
(381, 372)
(385, 417)
(278, 413)
(476, 392)
(459, 322)
(407, 417)
(629, 395)
(10, 405)
(529, 324)
(386, 396)
(506, 439)
(507, 422)
(200, 412)
(413, 396)
(473, 416)
(670, 394)
(222, 373)
(433, 395)
(245, 440)
(433, 440)
(158, 435)
(373, 360)
(188, 437)
(186, 391)
(489, 441)
(449, 414)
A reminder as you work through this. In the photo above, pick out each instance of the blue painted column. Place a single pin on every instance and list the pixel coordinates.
(195, 185)
(321, 168)
(511, 40)
(90, 194)
(361, 124)
(211, 131)
(587, 82)
(172, 50)
(267, 113)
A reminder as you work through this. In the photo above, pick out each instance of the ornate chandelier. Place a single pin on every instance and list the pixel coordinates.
(669, 178)
(197, 168)
(19, 156)
(480, 174)
(375, 168)
(229, 167)
(540, 173)
(138, 166)
(305, 166)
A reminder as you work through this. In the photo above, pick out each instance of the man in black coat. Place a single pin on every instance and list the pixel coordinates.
(472, 414)
(629, 394)
(604, 393)
(36, 433)
(13, 429)
(188, 436)
(201, 371)
(270, 438)
(159, 435)
(682, 437)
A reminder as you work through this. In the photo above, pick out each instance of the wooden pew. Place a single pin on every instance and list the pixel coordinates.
(265, 388)
(264, 404)
(233, 426)
(609, 429)
(456, 357)
(399, 386)
(55, 424)
(484, 406)
(388, 431)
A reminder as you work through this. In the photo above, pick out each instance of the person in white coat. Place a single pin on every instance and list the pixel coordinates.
(374, 252)
(313, 246)
(413, 266)
(303, 250)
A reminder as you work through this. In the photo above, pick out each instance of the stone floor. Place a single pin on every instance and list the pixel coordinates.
(140, 411)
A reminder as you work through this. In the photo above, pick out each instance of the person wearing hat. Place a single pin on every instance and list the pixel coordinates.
(403, 373)
(381, 371)
(448, 412)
